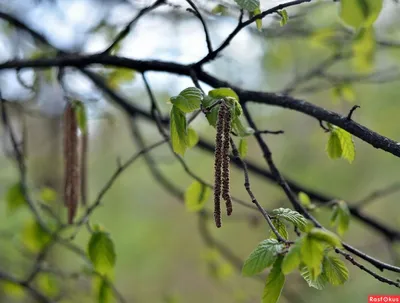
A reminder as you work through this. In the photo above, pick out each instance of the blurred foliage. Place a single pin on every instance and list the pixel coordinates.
(157, 241)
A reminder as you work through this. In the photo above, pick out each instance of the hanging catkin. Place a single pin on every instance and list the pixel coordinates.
(221, 164)
(71, 161)
(225, 162)
(83, 166)
(218, 158)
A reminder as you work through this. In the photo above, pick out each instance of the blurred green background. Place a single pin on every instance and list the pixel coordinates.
(161, 256)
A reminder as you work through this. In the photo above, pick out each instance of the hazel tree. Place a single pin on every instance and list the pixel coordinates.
(297, 240)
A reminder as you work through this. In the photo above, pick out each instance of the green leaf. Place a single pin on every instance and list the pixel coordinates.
(335, 270)
(243, 148)
(223, 92)
(274, 283)
(344, 91)
(312, 252)
(284, 17)
(325, 236)
(178, 130)
(258, 21)
(280, 227)
(292, 216)
(188, 100)
(292, 259)
(364, 45)
(48, 195)
(212, 114)
(262, 257)
(196, 196)
(335, 215)
(105, 292)
(48, 284)
(249, 5)
(119, 76)
(34, 237)
(341, 217)
(340, 144)
(219, 9)
(13, 290)
(304, 199)
(318, 283)
(81, 117)
(15, 198)
(240, 130)
(101, 252)
(193, 138)
(360, 13)
(334, 148)
(347, 144)
(344, 217)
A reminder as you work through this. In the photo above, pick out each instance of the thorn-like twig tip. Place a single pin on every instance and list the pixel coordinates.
(352, 111)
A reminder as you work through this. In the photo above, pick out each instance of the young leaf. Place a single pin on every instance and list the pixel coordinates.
(101, 252)
(34, 236)
(223, 92)
(341, 217)
(318, 283)
(345, 91)
(196, 195)
(364, 45)
(219, 9)
(105, 292)
(290, 215)
(325, 236)
(249, 5)
(14, 290)
(284, 17)
(280, 227)
(291, 261)
(48, 195)
(212, 114)
(48, 284)
(344, 217)
(334, 148)
(335, 215)
(193, 138)
(335, 270)
(240, 130)
(347, 144)
(119, 76)
(258, 21)
(262, 257)
(304, 199)
(178, 130)
(360, 13)
(188, 100)
(311, 252)
(274, 283)
(243, 147)
(15, 198)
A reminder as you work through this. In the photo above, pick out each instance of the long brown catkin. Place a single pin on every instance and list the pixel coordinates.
(71, 162)
(225, 162)
(218, 165)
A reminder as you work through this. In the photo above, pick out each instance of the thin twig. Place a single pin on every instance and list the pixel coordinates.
(196, 12)
(122, 34)
(391, 189)
(250, 192)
